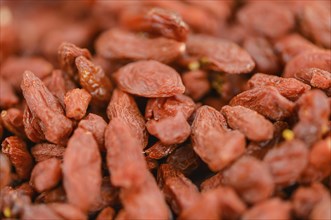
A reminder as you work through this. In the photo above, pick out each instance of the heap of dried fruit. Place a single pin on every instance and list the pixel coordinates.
(181, 109)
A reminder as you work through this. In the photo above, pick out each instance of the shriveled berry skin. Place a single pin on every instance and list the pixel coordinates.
(265, 100)
(67, 54)
(12, 120)
(159, 150)
(315, 77)
(149, 79)
(138, 189)
(287, 162)
(93, 79)
(313, 112)
(318, 163)
(244, 119)
(310, 59)
(292, 45)
(251, 179)
(212, 141)
(319, 31)
(306, 199)
(46, 174)
(82, 175)
(220, 55)
(122, 105)
(184, 159)
(117, 44)
(165, 109)
(76, 102)
(290, 88)
(13, 68)
(159, 108)
(156, 21)
(170, 130)
(19, 156)
(263, 53)
(196, 84)
(179, 191)
(44, 151)
(115, 140)
(253, 16)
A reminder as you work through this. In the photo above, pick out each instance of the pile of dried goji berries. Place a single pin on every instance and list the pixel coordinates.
(164, 109)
